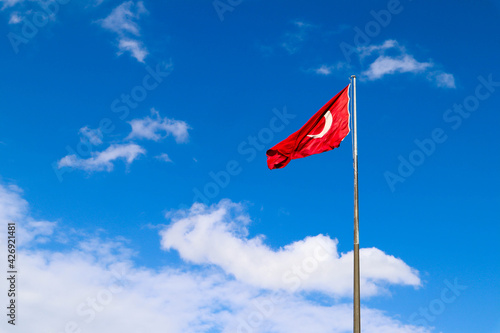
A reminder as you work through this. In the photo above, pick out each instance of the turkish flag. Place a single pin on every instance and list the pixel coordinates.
(324, 131)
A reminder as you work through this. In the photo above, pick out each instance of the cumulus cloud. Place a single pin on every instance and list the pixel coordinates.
(123, 21)
(203, 235)
(103, 161)
(75, 289)
(155, 128)
(94, 285)
(391, 58)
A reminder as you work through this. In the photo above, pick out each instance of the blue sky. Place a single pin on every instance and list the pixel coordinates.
(133, 138)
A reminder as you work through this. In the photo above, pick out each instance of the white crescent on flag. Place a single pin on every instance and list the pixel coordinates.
(328, 125)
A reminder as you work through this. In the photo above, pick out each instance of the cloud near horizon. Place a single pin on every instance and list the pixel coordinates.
(92, 284)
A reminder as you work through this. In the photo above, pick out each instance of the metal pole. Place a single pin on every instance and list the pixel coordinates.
(357, 307)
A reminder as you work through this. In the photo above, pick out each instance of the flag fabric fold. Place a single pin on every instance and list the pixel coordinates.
(323, 132)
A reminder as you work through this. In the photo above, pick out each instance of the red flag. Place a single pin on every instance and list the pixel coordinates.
(324, 131)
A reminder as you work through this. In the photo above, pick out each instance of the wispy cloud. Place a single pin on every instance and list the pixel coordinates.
(123, 21)
(163, 157)
(442, 79)
(365, 51)
(9, 3)
(386, 65)
(15, 18)
(94, 136)
(323, 70)
(152, 127)
(326, 69)
(388, 58)
(122, 18)
(103, 161)
(155, 128)
(135, 47)
(203, 234)
(392, 58)
(31, 11)
(93, 284)
(292, 41)
(13, 208)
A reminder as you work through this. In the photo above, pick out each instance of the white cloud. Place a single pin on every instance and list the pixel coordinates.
(94, 285)
(13, 208)
(444, 80)
(365, 51)
(152, 127)
(77, 289)
(25, 9)
(37, 231)
(103, 161)
(389, 58)
(10, 3)
(123, 21)
(15, 18)
(203, 235)
(133, 46)
(328, 69)
(392, 58)
(385, 65)
(12, 205)
(155, 128)
(163, 157)
(94, 136)
(323, 70)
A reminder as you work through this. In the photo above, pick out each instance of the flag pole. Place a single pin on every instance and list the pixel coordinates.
(356, 301)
